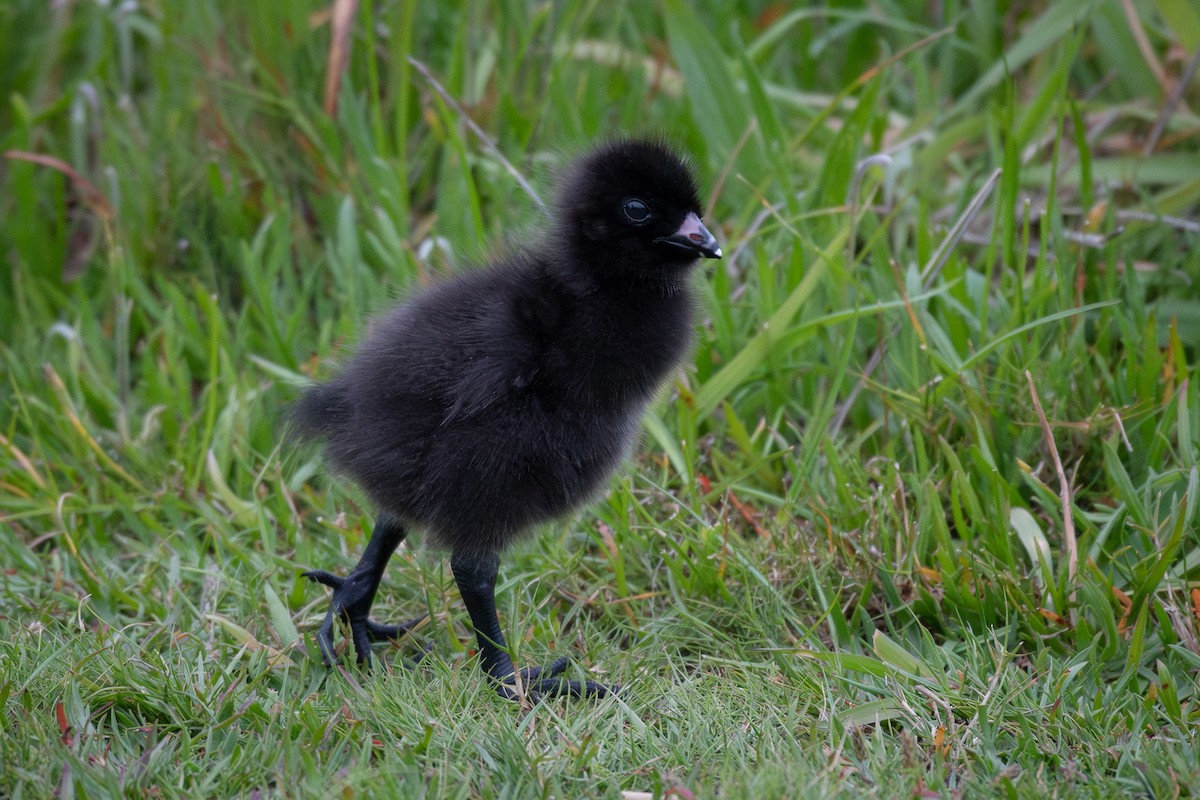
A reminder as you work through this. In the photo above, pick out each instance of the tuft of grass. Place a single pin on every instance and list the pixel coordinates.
(919, 519)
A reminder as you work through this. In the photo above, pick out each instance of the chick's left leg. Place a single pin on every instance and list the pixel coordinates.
(476, 579)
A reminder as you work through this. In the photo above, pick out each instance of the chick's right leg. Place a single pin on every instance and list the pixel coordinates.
(354, 594)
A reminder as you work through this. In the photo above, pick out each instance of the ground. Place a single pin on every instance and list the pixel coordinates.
(918, 518)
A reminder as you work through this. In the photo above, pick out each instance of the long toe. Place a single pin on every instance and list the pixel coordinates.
(547, 681)
(325, 639)
(362, 641)
(557, 667)
(382, 633)
(326, 578)
(563, 687)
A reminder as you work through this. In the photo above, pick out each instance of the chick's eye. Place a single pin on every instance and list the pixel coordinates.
(636, 211)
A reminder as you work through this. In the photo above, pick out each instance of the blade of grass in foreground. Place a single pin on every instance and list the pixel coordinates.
(999, 341)
(755, 351)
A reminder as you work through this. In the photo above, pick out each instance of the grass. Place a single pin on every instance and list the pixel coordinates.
(920, 519)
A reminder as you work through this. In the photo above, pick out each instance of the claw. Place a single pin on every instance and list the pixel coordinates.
(426, 650)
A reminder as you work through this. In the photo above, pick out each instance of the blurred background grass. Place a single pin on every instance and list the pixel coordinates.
(920, 519)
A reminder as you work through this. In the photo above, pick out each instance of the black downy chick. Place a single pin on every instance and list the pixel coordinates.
(505, 397)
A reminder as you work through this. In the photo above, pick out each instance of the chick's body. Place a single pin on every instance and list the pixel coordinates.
(501, 398)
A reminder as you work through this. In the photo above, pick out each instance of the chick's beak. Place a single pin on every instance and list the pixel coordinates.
(692, 235)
